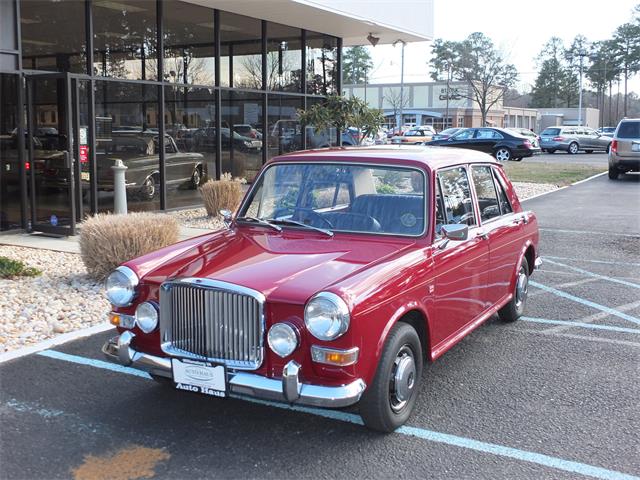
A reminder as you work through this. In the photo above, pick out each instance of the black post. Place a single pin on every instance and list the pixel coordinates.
(160, 106)
(218, 95)
(20, 83)
(338, 73)
(265, 102)
(303, 87)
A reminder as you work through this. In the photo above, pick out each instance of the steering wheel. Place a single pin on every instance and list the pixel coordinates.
(310, 214)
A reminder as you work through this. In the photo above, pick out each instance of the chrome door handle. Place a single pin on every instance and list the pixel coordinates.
(482, 235)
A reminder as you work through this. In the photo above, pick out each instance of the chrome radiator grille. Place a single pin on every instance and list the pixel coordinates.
(212, 320)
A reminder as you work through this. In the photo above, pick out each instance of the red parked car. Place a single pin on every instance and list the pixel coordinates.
(343, 271)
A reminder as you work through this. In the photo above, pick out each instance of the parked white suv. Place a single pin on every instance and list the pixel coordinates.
(624, 154)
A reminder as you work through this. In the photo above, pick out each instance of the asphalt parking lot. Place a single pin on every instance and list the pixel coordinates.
(595, 159)
(554, 395)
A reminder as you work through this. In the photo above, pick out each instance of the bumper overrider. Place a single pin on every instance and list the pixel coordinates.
(287, 389)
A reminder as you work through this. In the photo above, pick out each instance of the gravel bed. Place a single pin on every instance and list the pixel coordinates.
(527, 190)
(62, 299)
(197, 218)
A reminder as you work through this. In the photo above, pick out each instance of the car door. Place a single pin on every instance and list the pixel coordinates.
(461, 267)
(463, 139)
(502, 228)
(486, 139)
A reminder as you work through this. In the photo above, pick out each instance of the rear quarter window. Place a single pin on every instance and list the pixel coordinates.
(629, 130)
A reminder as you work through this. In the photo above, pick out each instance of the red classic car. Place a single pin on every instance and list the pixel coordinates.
(343, 271)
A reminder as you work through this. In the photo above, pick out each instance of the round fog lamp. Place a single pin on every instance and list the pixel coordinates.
(282, 339)
(147, 317)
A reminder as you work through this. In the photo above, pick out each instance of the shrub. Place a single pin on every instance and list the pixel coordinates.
(221, 194)
(108, 240)
(15, 268)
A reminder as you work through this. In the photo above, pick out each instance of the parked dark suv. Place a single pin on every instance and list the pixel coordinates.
(624, 155)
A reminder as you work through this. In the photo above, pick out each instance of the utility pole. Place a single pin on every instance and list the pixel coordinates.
(446, 115)
(581, 54)
(401, 80)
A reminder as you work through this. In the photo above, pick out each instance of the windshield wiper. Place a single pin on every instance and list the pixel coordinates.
(259, 221)
(288, 221)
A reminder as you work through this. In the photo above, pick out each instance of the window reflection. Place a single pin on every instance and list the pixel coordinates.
(125, 39)
(284, 132)
(322, 64)
(241, 55)
(127, 130)
(189, 50)
(284, 58)
(189, 116)
(53, 35)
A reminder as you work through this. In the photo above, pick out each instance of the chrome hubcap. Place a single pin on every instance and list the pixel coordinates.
(149, 187)
(574, 148)
(502, 155)
(403, 378)
(522, 286)
(196, 177)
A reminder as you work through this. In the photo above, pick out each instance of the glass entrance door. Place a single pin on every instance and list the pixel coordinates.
(52, 172)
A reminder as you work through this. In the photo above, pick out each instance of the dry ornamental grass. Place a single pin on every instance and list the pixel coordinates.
(108, 240)
(221, 194)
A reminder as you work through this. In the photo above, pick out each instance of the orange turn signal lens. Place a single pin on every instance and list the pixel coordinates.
(114, 319)
(122, 320)
(333, 356)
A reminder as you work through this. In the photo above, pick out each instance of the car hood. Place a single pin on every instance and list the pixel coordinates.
(289, 266)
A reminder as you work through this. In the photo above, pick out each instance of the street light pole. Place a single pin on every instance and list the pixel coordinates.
(581, 54)
(401, 80)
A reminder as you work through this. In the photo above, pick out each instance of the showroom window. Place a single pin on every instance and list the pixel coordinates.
(284, 132)
(241, 51)
(322, 64)
(53, 35)
(124, 39)
(284, 58)
(189, 49)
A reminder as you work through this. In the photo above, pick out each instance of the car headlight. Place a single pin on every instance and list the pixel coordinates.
(282, 339)
(326, 316)
(247, 144)
(121, 286)
(147, 317)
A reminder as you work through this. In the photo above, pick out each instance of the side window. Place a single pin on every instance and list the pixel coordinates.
(505, 206)
(486, 192)
(464, 134)
(457, 196)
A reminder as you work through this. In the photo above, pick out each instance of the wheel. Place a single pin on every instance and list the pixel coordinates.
(196, 177)
(388, 402)
(588, 151)
(310, 216)
(573, 148)
(513, 310)
(613, 173)
(503, 154)
(148, 189)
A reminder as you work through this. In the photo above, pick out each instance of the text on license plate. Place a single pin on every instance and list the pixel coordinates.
(85, 176)
(199, 377)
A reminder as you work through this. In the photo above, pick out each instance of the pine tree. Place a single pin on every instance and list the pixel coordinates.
(356, 63)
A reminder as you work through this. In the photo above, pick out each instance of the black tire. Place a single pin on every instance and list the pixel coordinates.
(196, 178)
(613, 173)
(550, 150)
(517, 159)
(588, 151)
(503, 154)
(573, 148)
(380, 407)
(513, 310)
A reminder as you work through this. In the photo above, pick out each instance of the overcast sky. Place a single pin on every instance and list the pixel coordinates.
(519, 29)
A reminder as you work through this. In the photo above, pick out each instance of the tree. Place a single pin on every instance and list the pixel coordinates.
(602, 72)
(356, 63)
(477, 62)
(557, 83)
(341, 112)
(626, 46)
(397, 103)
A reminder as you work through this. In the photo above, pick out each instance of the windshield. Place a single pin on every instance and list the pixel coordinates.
(341, 197)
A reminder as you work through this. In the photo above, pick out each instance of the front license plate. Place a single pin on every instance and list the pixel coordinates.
(200, 377)
(635, 147)
(84, 176)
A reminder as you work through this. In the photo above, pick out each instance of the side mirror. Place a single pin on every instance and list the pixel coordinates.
(456, 232)
(227, 216)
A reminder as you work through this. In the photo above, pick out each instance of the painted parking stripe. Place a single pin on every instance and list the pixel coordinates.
(605, 262)
(595, 275)
(589, 232)
(588, 303)
(592, 326)
(429, 435)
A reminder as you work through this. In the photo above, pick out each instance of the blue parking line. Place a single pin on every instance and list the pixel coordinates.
(424, 434)
(589, 232)
(605, 262)
(588, 303)
(591, 274)
(592, 326)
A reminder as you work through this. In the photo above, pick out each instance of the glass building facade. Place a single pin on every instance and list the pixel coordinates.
(178, 92)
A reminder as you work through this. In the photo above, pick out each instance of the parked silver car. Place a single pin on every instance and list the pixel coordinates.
(573, 139)
(624, 155)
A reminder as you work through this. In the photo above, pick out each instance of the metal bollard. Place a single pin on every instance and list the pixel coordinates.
(119, 187)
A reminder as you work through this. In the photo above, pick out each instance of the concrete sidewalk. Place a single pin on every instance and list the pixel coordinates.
(70, 244)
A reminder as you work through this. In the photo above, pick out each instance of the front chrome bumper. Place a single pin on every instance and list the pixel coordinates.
(287, 389)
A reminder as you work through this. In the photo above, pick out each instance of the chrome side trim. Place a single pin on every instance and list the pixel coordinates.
(287, 389)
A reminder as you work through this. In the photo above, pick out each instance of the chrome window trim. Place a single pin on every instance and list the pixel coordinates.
(208, 284)
(244, 205)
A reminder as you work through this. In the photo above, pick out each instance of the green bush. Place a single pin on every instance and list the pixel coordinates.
(15, 268)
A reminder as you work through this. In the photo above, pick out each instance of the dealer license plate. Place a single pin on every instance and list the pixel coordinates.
(200, 377)
(84, 176)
